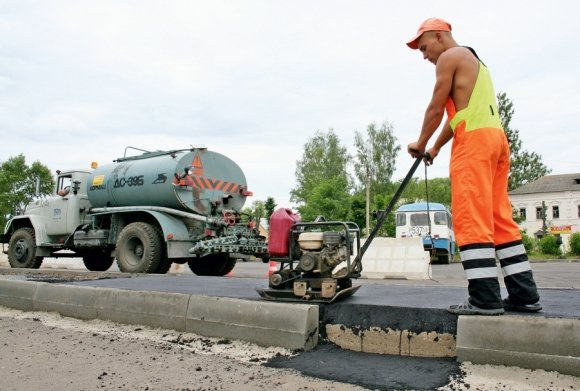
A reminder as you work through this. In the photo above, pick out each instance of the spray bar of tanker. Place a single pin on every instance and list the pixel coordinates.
(157, 209)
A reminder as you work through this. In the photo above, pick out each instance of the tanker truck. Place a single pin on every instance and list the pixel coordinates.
(147, 211)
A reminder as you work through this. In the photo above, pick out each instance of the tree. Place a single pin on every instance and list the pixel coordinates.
(270, 207)
(18, 185)
(375, 161)
(329, 198)
(438, 189)
(525, 166)
(381, 201)
(256, 211)
(322, 171)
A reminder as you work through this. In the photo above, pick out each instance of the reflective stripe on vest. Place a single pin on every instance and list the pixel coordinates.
(481, 111)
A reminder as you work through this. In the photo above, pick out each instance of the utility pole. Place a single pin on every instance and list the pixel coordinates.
(544, 225)
(368, 202)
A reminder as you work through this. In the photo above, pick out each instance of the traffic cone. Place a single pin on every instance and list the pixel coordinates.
(272, 268)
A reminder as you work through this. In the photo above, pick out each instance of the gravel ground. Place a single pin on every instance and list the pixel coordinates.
(45, 351)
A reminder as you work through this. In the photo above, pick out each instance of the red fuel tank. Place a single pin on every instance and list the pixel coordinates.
(280, 223)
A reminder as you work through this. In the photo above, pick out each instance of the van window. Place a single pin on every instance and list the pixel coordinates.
(419, 219)
(401, 219)
(440, 218)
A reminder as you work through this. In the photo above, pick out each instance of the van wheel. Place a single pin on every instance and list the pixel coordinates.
(218, 264)
(445, 259)
(22, 250)
(98, 261)
(139, 248)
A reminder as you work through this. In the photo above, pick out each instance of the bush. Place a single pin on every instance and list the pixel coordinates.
(574, 242)
(529, 243)
(549, 245)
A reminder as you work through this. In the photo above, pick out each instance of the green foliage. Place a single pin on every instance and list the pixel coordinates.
(574, 242)
(389, 227)
(375, 156)
(256, 211)
(529, 243)
(270, 207)
(374, 162)
(516, 216)
(323, 184)
(18, 185)
(260, 209)
(549, 246)
(525, 166)
(329, 198)
(357, 209)
(439, 191)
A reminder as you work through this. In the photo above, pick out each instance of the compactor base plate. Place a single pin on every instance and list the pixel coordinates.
(309, 297)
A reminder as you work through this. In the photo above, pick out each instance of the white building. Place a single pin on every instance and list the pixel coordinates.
(561, 196)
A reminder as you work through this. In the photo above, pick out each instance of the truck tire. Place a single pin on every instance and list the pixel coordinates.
(218, 264)
(164, 266)
(139, 248)
(98, 261)
(22, 250)
(164, 263)
(229, 266)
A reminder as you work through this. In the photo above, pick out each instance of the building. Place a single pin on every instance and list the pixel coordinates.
(558, 196)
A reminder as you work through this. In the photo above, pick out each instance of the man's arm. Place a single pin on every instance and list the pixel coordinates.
(444, 70)
(444, 137)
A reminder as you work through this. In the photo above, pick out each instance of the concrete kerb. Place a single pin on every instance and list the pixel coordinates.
(265, 323)
(18, 294)
(66, 300)
(289, 326)
(551, 344)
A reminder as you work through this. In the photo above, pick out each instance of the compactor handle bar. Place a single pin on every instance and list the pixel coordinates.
(382, 216)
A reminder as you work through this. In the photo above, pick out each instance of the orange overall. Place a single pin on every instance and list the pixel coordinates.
(482, 212)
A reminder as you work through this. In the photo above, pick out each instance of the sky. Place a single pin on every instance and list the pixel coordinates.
(254, 80)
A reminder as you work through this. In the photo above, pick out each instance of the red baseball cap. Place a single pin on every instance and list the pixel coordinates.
(431, 24)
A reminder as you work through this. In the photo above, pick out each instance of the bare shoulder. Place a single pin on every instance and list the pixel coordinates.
(455, 54)
(456, 59)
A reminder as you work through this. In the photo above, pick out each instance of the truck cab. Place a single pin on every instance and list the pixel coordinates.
(48, 221)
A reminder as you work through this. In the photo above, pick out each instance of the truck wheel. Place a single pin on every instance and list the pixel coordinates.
(22, 250)
(217, 264)
(229, 266)
(139, 248)
(164, 266)
(98, 261)
(164, 263)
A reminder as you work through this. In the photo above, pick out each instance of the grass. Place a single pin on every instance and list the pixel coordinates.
(537, 257)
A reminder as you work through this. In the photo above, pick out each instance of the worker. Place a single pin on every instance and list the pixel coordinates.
(64, 191)
(479, 168)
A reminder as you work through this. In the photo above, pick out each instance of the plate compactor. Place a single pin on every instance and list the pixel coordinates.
(318, 260)
(314, 251)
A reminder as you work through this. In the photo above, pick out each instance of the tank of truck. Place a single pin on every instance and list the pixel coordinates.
(195, 180)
